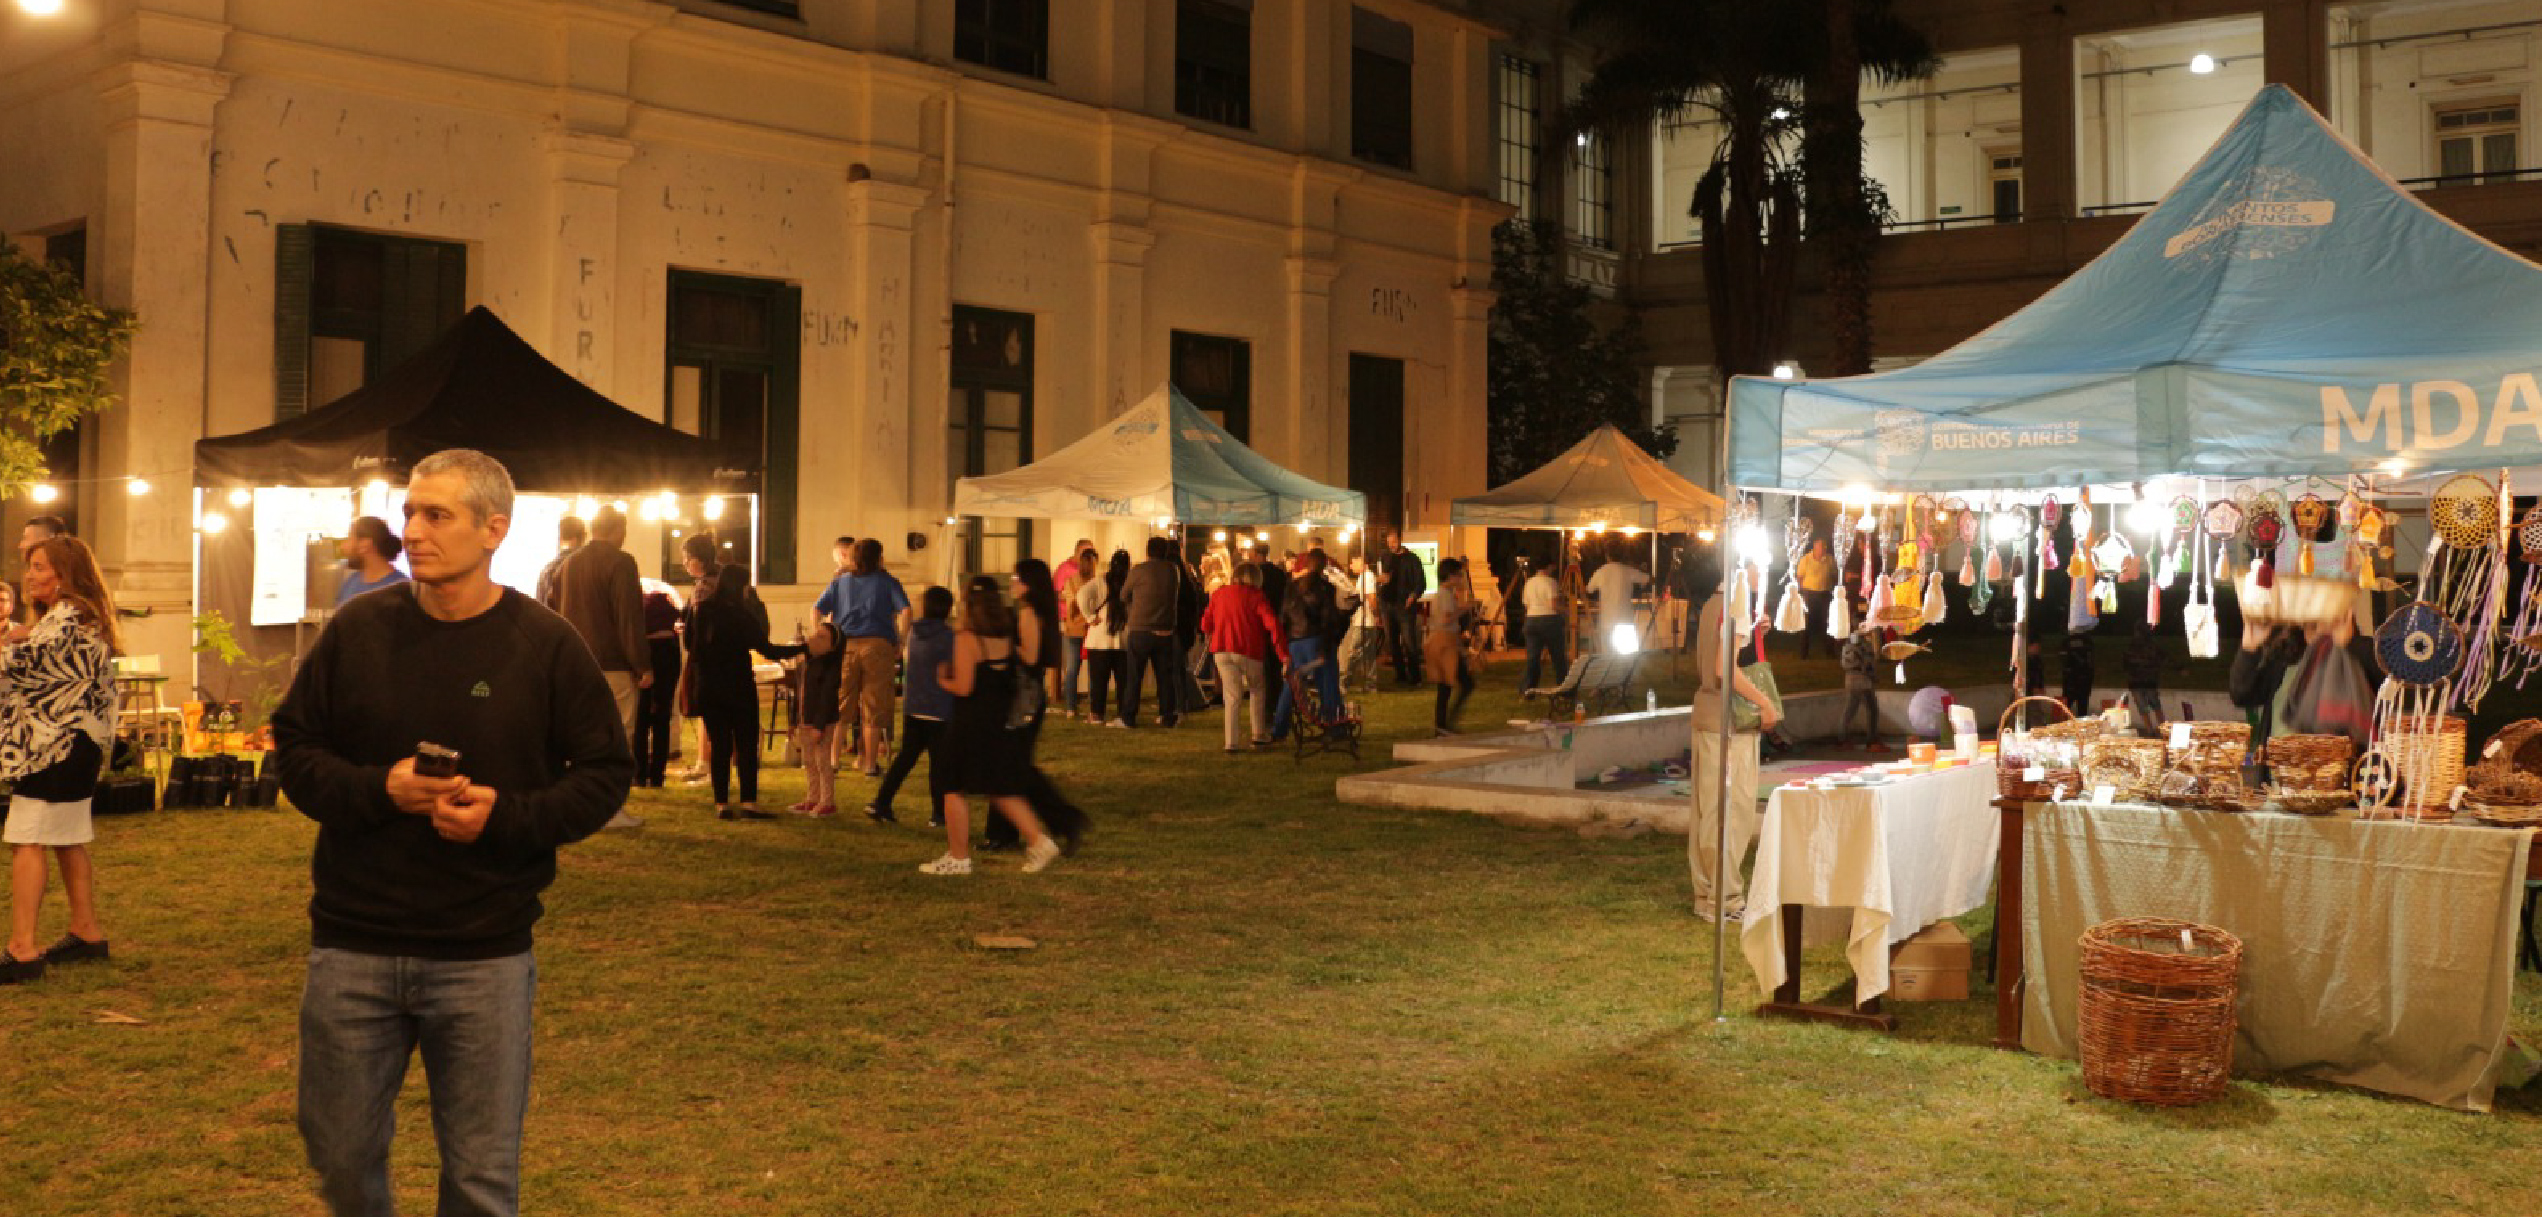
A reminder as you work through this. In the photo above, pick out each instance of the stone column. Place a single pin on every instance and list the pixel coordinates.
(1464, 466)
(153, 255)
(1314, 432)
(881, 409)
(1119, 373)
(2047, 120)
(583, 199)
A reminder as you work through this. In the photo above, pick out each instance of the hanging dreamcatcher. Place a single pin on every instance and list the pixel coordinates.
(2171, 550)
(2421, 651)
(2115, 562)
(2465, 572)
(2315, 524)
(2523, 653)
(2265, 530)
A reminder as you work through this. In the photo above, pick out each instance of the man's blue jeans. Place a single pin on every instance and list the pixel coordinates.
(1544, 637)
(1308, 661)
(361, 1017)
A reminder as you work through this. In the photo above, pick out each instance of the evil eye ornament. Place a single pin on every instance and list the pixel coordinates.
(2418, 645)
(2376, 781)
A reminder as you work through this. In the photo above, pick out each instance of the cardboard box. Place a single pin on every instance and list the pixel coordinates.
(1928, 984)
(1939, 945)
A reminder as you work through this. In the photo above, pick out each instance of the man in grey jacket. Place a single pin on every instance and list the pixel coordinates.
(1151, 599)
(598, 592)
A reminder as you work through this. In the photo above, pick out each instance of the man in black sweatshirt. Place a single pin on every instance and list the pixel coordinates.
(427, 886)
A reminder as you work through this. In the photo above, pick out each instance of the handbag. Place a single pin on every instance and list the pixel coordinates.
(1744, 716)
(1028, 704)
(2328, 695)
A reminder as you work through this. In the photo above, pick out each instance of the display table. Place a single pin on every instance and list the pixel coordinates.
(2375, 954)
(1872, 865)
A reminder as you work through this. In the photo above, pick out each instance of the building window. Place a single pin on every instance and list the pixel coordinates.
(2478, 143)
(1593, 191)
(1380, 89)
(1213, 61)
(734, 369)
(2003, 185)
(1216, 376)
(350, 305)
(1008, 35)
(990, 418)
(1521, 125)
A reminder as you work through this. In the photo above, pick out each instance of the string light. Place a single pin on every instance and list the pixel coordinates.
(712, 509)
(137, 487)
(43, 492)
(214, 522)
(585, 506)
(241, 497)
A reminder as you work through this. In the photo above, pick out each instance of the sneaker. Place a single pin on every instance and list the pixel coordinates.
(74, 949)
(1039, 856)
(1120, 723)
(16, 971)
(946, 865)
(624, 819)
(1735, 914)
(882, 815)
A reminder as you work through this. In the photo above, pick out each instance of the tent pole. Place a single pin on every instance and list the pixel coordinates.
(1725, 546)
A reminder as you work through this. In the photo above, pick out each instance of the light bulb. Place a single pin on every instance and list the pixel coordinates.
(137, 486)
(40, 8)
(2144, 515)
(43, 492)
(1705, 535)
(1219, 536)
(2202, 63)
(618, 505)
(712, 509)
(1622, 639)
(1751, 542)
(241, 497)
(586, 506)
(214, 522)
(2007, 527)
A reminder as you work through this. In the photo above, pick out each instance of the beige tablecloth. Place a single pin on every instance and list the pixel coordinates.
(2380, 955)
(1874, 864)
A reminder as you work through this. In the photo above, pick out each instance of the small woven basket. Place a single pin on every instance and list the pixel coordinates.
(2156, 1017)
(2516, 748)
(2132, 768)
(2311, 762)
(2301, 802)
(2013, 758)
(2215, 750)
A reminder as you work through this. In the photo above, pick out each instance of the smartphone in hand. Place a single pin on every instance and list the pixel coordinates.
(434, 761)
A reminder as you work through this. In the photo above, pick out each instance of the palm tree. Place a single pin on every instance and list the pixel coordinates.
(1756, 68)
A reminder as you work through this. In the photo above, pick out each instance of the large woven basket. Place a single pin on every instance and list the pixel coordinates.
(2156, 1017)
(2429, 759)
(2013, 758)
(2215, 750)
(2311, 762)
(2516, 748)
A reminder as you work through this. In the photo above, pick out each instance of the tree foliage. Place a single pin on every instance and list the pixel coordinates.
(1557, 373)
(56, 349)
(1766, 72)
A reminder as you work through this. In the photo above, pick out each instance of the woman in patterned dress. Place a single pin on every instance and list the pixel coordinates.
(57, 718)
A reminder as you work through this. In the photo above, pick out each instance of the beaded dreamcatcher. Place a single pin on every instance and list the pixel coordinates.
(2314, 524)
(2265, 530)
(2465, 571)
(2421, 650)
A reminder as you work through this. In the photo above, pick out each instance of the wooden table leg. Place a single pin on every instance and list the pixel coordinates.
(2008, 927)
(1787, 1001)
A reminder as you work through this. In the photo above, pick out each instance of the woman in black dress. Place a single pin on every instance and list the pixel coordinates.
(722, 632)
(1038, 644)
(978, 753)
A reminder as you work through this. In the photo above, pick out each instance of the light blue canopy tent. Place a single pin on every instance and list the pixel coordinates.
(1163, 459)
(2287, 310)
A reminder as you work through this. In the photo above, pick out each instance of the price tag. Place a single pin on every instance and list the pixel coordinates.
(2186, 945)
(2180, 735)
(2492, 749)
(2035, 773)
(2456, 803)
(2105, 795)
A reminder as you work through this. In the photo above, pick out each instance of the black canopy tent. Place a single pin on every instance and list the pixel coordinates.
(477, 386)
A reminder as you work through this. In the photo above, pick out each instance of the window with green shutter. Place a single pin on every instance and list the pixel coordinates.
(734, 374)
(349, 305)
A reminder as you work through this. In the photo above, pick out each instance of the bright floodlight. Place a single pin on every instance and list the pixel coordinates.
(2202, 63)
(1787, 370)
(2007, 527)
(1752, 549)
(1621, 639)
(2144, 515)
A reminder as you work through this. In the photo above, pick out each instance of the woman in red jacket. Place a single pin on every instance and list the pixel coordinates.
(1243, 635)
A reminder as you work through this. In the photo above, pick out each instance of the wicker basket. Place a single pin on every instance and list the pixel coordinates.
(2311, 762)
(2304, 802)
(2215, 750)
(2516, 748)
(2131, 768)
(2430, 760)
(2157, 1011)
(2504, 815)
(2013, 759)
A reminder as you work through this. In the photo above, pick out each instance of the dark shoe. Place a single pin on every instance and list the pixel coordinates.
(728, 814)
(753, 813)
(74, 949)
(16, 971)
(880, 814)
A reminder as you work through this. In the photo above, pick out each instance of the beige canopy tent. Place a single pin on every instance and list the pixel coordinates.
(1604, 481)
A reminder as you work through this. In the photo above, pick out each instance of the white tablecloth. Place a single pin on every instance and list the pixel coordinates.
(1901, 856)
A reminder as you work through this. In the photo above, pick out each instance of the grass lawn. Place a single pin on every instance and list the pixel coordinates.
(1246, 998)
